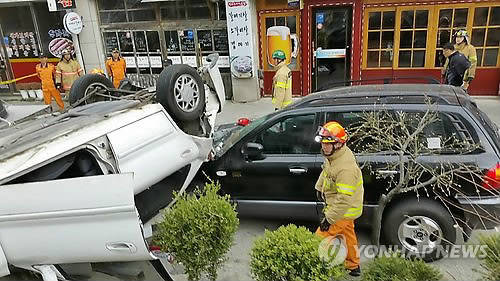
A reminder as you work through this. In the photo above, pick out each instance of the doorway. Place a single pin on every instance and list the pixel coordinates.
(331, 56)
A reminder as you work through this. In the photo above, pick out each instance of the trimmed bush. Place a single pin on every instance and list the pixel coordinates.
(198, 231)
(291, 253)
(491, 262)
(397, 268)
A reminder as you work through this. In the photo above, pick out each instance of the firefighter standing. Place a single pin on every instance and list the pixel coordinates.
(116, 67)
(46, 72)
(282, 81)
(340, 186)
(67, 71)
(463, 46)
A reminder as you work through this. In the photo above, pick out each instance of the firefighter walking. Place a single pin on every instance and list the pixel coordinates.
(340, 186)
(282, 81)
(116, 68)
(46, 73)
(67, 71)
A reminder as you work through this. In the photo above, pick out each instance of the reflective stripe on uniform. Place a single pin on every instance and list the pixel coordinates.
(282, 85)
(348, 189)
(352, 212)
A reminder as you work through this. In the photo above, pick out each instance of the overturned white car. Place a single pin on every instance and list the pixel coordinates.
(84, 185)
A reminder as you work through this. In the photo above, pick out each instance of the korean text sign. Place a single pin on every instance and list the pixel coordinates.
(239, 31)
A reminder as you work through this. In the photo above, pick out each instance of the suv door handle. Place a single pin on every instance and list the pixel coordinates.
(298, 171)
(387, 172)
(122, 247)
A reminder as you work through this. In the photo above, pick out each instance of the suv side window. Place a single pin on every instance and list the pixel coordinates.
(293, 135)
(447, 126)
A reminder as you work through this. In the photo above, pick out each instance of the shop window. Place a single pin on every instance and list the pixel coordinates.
(486, 35)
(50, 26)
(119, 11)
(413, 38)
(290, 45)
(173, 10)
(450, 21)
(141, 49)
(182, 45)
(381, 38)
(191, 9)
(19, 31)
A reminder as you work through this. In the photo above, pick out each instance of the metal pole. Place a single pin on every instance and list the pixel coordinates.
(76, 45)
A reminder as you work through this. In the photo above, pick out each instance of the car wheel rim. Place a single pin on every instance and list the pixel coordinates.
(187, 93)
(101, 88)
(420, 234)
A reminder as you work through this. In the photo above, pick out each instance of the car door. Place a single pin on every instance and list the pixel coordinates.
(283, 182)
(86, 219)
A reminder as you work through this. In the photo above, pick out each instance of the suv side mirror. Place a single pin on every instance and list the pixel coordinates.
(253, 151)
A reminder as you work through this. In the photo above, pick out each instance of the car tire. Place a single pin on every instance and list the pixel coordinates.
(403, 223)
(83, 85)
(180, 90)
(3, 110)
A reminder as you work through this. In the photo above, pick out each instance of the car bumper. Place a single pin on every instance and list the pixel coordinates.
(481, 212)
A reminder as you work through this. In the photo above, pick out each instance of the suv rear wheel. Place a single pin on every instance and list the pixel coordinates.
(421, 228)
(181, 91)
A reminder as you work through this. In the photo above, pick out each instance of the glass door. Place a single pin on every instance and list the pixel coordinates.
(331, 47)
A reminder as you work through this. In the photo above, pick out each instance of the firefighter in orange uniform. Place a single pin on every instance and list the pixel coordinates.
(340, 186)
(67, 71)
(116, 67)
(46, 72)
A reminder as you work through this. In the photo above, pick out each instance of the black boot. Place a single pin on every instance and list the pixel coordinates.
(355, 272)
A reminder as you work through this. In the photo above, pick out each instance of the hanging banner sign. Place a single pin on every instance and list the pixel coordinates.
(239, 30)
(73, 23)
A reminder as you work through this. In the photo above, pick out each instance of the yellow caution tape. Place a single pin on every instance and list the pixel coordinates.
(17, 79)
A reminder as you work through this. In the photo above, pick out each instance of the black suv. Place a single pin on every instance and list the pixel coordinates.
(270, 166)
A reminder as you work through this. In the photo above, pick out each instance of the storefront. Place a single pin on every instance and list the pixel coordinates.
(26, 30)
(335, 43)
(149, 32)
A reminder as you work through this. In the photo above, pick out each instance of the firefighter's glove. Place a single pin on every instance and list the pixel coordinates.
(324, 225)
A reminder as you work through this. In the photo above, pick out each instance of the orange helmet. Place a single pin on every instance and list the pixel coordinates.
(331, 132)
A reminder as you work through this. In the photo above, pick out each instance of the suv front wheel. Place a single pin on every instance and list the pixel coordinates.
(420, 228)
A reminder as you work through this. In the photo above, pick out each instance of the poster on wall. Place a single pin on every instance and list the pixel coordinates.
(280, 38)
(240, 38)
(22, 45)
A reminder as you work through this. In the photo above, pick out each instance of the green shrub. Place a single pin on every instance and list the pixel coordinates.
(291, 254)
(491, 262)
(199, 230)
(397, 268)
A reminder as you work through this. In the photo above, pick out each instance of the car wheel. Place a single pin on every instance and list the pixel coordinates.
(419, 228)
(181, 91)
(89, 84)
(3, 110)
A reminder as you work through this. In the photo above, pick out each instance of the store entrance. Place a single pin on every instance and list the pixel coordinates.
(331, 47)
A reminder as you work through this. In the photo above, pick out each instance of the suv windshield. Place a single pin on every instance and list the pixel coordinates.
(227, 138)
